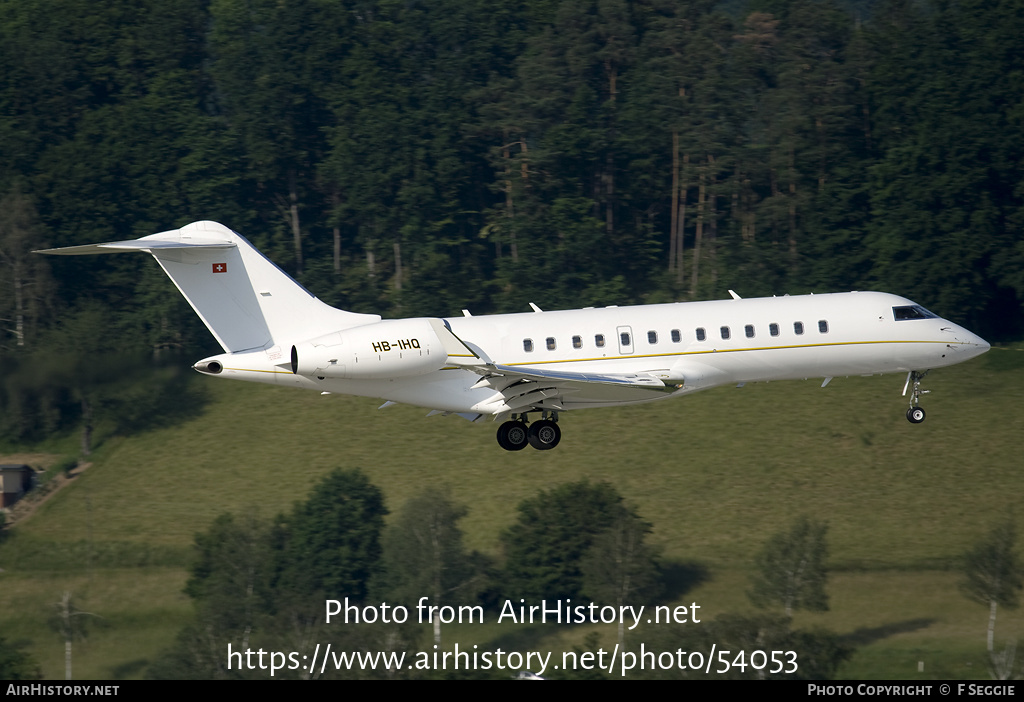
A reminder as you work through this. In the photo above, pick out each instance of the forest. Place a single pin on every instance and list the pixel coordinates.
(419, 158)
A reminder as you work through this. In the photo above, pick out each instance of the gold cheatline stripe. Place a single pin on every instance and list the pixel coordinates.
(259, 370)
(661, 355)
(699, 353)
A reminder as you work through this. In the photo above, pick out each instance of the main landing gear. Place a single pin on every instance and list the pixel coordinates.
(915, 414)
(543, 434)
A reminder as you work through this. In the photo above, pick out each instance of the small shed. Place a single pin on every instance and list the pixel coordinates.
(15, 481)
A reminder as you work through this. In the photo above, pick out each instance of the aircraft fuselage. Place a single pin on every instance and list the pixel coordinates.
(689, 345)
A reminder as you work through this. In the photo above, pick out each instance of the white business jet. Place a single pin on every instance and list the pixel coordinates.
(512, 366)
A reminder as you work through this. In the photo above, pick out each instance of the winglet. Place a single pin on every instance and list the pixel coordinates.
(459, 353)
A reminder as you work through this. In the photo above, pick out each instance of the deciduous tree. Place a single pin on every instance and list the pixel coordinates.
(546, 546)
(423, 555)
(993, 573)
(791, 569)
(331, 542)
(619, 568)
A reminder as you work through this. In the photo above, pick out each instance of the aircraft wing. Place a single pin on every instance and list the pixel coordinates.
(522, 388)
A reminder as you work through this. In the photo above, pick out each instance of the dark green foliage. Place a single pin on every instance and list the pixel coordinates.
(262, 583)
(84, 371)
(993, 573)
(619, 568)
(992, 569)
(231, 580)
(800, 654)
(16, 663)
(546, 547)
(591, 644)
(423, 554)
(945, 191)
(330, 543)
(791, 569)
(26, 290)
(33, 402)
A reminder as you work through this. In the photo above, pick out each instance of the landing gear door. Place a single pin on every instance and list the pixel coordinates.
(625, 335)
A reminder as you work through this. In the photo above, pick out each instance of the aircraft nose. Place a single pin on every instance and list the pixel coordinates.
(967, 343)
(976, 344)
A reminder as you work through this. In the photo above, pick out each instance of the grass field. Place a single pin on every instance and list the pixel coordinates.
(716, 473)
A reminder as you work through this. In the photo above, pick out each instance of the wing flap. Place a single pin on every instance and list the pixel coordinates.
(524, 388)
(634, 380)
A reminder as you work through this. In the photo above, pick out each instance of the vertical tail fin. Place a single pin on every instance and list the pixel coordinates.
(245, 300)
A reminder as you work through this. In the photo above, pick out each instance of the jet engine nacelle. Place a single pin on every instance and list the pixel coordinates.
(392, 348)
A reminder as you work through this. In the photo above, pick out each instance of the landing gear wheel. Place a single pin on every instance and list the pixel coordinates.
(544, 435)
(512, 436)
(915, 415)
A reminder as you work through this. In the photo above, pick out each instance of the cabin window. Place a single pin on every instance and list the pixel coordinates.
(676, 336)
(798, 327)
(701, 334)
(823, 326)
(773, 329)
(912, 312)
(624, 339)
(652, 337)
(725, 332)
(577, 342)
(551, 343)
(528, 345)
(599, 340)
(749, 331)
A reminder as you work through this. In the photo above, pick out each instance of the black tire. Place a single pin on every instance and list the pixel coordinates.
(544, 435)
(512, 436)
(915, 415)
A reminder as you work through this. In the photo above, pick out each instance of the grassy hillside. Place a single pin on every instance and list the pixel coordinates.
(716, 473)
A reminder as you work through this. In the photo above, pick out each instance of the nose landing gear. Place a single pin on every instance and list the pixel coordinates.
(915, 414)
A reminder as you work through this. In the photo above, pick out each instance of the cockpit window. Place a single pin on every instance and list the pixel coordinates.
(912, 312)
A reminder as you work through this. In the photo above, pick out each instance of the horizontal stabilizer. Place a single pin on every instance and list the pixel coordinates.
(145, 244)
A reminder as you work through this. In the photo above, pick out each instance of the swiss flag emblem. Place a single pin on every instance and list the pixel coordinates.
(220, 268)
